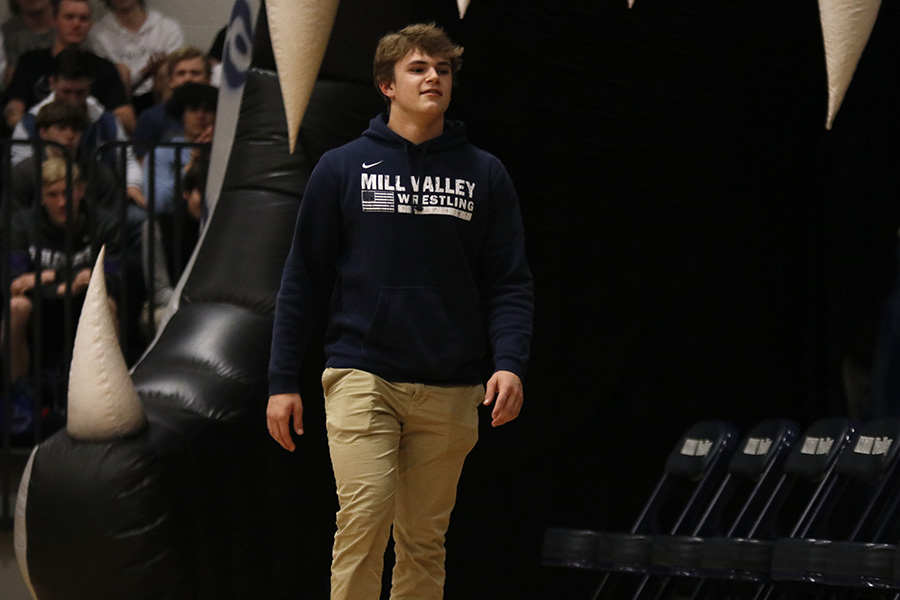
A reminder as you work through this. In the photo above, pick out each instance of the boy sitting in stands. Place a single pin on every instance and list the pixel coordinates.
(90, 229)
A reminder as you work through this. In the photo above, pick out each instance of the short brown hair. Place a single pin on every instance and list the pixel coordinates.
(188, 53)
(110, 6)
(54, 5)
(426, 37)
(58, 112)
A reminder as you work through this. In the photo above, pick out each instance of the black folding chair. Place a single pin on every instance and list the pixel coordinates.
(754, 472)
(735, 565)
(850, 539)
(691, 476)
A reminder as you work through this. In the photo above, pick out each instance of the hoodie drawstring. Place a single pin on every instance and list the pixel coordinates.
(417, 197)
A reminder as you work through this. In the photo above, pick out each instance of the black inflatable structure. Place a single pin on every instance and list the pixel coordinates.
(201, 505)
(702, 249)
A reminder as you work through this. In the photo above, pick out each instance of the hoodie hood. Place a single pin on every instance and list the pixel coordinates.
(454, 135)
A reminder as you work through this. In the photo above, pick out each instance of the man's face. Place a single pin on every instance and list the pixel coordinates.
(188, 70)
(196, 121)
(73, 22)
(53, 197)
(421, 85)
(66, 135)
(71, 91)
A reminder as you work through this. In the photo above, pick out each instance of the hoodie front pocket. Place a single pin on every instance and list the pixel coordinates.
(426, 330)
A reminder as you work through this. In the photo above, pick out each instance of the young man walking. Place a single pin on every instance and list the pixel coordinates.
(413, 238)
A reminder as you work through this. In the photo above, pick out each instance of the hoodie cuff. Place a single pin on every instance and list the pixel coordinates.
(283, 384)
(509, 364)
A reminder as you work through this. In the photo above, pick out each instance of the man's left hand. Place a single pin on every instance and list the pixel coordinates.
(506, 388)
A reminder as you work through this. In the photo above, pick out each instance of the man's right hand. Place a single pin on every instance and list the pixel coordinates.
(282, 407)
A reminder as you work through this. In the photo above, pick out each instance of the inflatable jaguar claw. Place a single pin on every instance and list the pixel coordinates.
(164, 484)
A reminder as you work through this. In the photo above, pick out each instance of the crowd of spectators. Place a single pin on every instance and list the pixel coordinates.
(106, 134)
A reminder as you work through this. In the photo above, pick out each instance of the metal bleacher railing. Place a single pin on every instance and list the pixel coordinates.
(47, 381)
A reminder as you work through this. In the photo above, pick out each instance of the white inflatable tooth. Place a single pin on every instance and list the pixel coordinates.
(299, 30)
(463, 6)
(846, 27)
(103, 404)
(20, 535)
(630, 3)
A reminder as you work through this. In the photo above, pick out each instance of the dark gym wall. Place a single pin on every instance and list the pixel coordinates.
(702, 247)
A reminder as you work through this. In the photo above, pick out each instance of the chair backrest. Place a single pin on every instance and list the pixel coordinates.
(692, 473)
(867, 505)
(808, 477)
(754, 472)
(817, 453)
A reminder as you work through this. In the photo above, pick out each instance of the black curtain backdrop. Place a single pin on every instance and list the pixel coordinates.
(702, 247)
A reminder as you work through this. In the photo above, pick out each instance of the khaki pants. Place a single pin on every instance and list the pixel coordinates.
(397, 450)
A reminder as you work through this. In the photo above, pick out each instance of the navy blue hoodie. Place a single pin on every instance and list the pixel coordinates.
(420, 250)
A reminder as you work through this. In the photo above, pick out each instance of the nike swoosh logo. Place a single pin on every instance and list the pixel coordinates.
(369, 166)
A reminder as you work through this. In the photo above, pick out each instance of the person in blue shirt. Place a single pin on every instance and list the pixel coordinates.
(193, 105)
(411, 239)
(157, 124)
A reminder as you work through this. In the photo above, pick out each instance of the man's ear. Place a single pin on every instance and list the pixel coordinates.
(387, 88)
(52, 81)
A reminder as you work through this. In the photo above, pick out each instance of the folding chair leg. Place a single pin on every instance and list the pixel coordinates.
(663, 589)
(640, 588)
(763, 592)
(598, 593)
(611, 584)
(715, 589)
(701, 589)
(709, 589)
